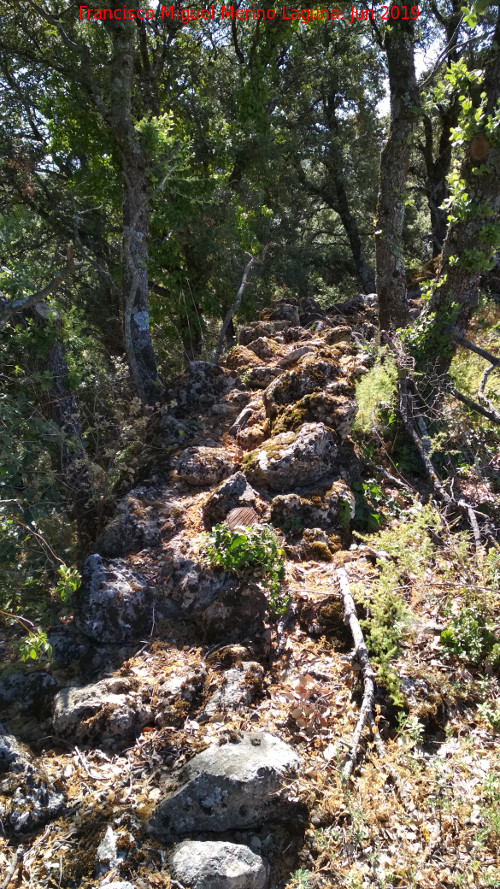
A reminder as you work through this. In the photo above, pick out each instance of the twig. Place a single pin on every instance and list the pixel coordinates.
(16, 861)
(20, 305)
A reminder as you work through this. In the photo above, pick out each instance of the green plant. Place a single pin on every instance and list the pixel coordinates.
(300, 879)
(35, 645)
(468, 636)
(69, 582)
(256, 549)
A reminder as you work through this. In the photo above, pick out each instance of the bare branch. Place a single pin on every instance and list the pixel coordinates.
(491, 415)
(493, 359)
(21, 305)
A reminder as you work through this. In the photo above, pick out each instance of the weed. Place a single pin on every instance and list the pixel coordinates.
(300, 879)
(469, 637)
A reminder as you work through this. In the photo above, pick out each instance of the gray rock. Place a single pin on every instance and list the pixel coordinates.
(239, 686)
(264, 348)
(294, 356)
(233, 492)
(29, 692)
(313, 374)
(340, 334)
(134, 528)
(106, 852)
(333, 510)
(261, 377)
(186, 581)
(255, 330)
(108, 707)
(237, 785)
(293, 459)
(117, 884)
(28, 798)
(284, 311)
(113, 603)
(204, 466)
(214, 865)
(68, 646)
(14, 757)
(234, 614)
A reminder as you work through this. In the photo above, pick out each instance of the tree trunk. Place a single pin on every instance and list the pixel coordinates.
(471, 237)
(136, 321)
(394, 163)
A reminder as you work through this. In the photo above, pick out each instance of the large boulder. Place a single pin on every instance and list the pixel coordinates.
(293, 459)
(234, 491)
(217, 865)
(200, 467)
(134, 528)
(186, 581)
(235, 786)
(28, 693)
(113, 603)
(234, 614)
(265, 348)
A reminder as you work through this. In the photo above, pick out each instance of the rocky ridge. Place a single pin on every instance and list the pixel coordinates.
(165, 678)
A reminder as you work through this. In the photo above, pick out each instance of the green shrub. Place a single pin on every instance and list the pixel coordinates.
(255, 549)
(469, 637)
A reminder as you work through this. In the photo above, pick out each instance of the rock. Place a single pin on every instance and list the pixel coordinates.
(242, 357)
(310, 311)
(265, 348)
(254, 331)
(241, 420)
(214, 865)
(260, 377)
(294, 356)
(204, 385)
(294, 334)
(239, 686)
(68, 645)
(316, 546)
(234, 786)
(336, 411)
(293, 459)
(341, 334)
(29, 692)
(105, 708)
(333, 509)
(313, 374)
(113, 604)
(253, 436)
(204, 466)
(187, 581)
(14, 757)
(135, 528)
(233, 615)
(284, 311)
(28, 799)
(106, 852)
(233, 492)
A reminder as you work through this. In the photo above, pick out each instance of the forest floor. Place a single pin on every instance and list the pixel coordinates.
(437, 825)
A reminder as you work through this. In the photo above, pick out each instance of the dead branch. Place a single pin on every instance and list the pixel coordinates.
(239, 296)
(366, 716)
(491, 414)
(20, 305)
(493, 359)
(234, 308)
(361, 653)
(16, 861)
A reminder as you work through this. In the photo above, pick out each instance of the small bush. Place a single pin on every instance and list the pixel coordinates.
(254, 549)
(469, 637)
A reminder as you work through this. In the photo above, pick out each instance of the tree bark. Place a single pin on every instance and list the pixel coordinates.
(394, 163)
(136, 320)
(454, 301)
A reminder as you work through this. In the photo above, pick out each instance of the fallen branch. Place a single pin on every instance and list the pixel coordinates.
(493, 359)
(366, 716)
(361, 654)
(16, 861)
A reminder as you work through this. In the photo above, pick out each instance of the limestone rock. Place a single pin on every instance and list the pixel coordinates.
(242, 357)
(333, 509)
(312, 374)
(28, 798)
(340, 334)
(216, 865)
(265, 348)
(204, 466)
(113, 604)
(237, 785)
(239, 686)
(294, 356)
(187, 581)
(293, 459)
(255, 330)
(234, 491)
(285, 311)
(107, 708)
(253, 436)
(260, 377)
(336, 411)
(134, 528)
(233, 614)
(28, 693)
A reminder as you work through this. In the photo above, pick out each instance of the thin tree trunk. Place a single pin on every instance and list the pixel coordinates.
(468, 239)
(136, 320)
(394, 163)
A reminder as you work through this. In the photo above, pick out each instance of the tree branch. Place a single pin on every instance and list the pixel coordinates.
(21, 305)
(491, 415)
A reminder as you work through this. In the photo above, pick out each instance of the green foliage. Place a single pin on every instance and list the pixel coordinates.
(469, 636)
(35, 645)
(255, 549)
(69, 581)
